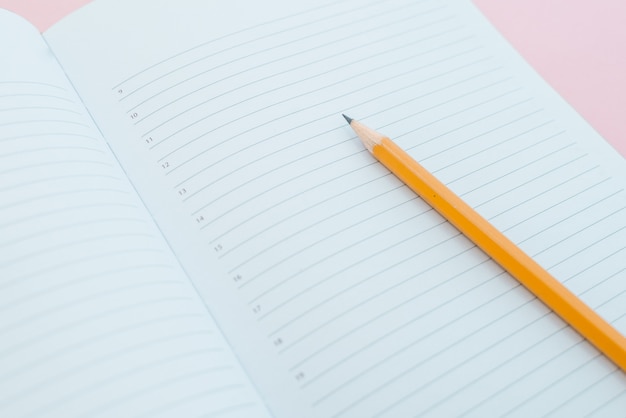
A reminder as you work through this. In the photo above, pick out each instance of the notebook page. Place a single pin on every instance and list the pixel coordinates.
(96, 316)
(349, 288)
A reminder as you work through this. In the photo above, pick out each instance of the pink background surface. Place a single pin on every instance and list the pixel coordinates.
(578, 46)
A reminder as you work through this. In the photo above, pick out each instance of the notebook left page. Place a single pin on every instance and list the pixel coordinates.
(97, 318)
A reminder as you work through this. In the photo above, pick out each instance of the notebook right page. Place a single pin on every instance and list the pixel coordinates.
(339, 287)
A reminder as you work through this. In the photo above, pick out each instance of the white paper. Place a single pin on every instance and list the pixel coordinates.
(343, 293)
(97, 318)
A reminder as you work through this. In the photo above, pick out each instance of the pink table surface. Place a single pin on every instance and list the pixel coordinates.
(577, 46)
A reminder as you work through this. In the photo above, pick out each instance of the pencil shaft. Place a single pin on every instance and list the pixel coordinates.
(510, 257)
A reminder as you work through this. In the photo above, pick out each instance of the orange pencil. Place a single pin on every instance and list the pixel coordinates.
(521, 266)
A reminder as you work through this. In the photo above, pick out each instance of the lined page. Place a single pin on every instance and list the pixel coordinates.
(96, 316)
(366, 301)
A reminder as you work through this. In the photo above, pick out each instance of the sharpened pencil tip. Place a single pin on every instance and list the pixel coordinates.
(348, 118)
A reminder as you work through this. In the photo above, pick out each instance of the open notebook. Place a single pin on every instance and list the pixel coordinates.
(188, 227)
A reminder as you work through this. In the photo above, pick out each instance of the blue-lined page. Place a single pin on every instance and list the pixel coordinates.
(97, 318)
(343, 293)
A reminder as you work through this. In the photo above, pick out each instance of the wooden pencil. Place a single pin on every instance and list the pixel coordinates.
(502, 250)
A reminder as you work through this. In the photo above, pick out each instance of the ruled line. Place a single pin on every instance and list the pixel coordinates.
(389, 92)
(481, 135)
(579, 231)
(59, 247)
(559, 330)
(318, 89)
(366, 301)
(33, 83)
(323, 117)
(561, 379)
(56, 179)
(601, 282)
(100, 409)
(40, 215)
(581, 392)
(299, 193)
(329, 115)
(202, 394)
(249, 199)
(294, 319)
(482, 352)
(298, 213)
(510, 384)
(365, 72)
(535, 178)
(587, 246)
(405, 347)
(73, 262)
(49, 96)
(301, 52)
(459, 112)
(53, 163)
(115, 378)
(615, 296)
(273, 75)
(87, 298)
(311, 265)
(66, 226)
(118, 272)
(260, 51)
(61, 193)
(243, 166)
(516, 170)
(10, 350)
(318, 222)
(607, 403)
(33, 135)
(226, 36)
(30, 122)
(10, 109)
(561, 202)
(47, 149)
(293, 178)
(100, 360)
(335, 233)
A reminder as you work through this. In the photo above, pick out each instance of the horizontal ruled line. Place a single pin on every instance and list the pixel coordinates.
(61, 193)
(299, 193)
(321, 88)
(412, 343)
(58, 247)
(558, 204)
(365, 72)
(226, 36)
(126, 252)
(41, 291)
(40, 215)
(338, 251)
(11, 109)
(549, 336)
(294, 214)
(48, 96)
(66, 226)
(99, 360)
(366, 301)
(335, 233)
(323, 117)
(35, 316)
(212, 83)
(257, 52)
(85, 320)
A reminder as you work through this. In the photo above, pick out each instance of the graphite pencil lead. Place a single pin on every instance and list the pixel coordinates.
(348, 118)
